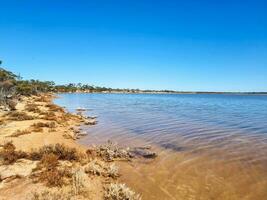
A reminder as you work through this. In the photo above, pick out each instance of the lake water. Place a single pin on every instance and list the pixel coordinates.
(209, 146)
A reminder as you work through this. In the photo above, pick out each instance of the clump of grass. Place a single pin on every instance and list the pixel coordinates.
(51, 116)
(48, 161)
(2, 121)
(42, 98)
(38, 127)
(63, 152)
(9, 155)
(44, 125)
(12, 104)
(116, 191)
(78, 181)
(113, 171)
(20, 116)
(20, 132)
(50, 174)
(33, 108)
(100, 168)
(95, 167)
(54, 108)
(51, 195)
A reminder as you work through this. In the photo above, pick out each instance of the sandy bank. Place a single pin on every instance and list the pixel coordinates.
(40, 159)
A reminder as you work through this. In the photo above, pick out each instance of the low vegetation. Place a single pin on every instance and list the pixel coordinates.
(116, 191)
(19, 116)
(50, 174)
(61, 151)
(18, 133)
(32, 107)
(9, 155)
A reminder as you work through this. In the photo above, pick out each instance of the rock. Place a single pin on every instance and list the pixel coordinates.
(81, 109)
(21, 168)
(141, 152)
(90, 122)
(91, 117)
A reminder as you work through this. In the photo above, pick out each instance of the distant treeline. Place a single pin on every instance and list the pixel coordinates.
(12, 85)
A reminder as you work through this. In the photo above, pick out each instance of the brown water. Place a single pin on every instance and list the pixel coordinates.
(209, 146)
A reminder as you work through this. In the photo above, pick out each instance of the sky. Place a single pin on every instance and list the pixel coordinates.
(192, 45)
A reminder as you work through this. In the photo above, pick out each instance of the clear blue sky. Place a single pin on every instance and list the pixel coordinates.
(197, 45)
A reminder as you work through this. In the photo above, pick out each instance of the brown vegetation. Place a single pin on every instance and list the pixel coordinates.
(50, 174)
(20, 116)
(32, 108)
(20, 132)
(116, 191)
(54, 108)
(9, 154)
(61, 151)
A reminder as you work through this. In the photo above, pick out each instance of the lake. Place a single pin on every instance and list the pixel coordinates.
(210, 146)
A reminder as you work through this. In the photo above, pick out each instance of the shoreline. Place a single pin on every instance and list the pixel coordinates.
(172, 93)
(44, 124)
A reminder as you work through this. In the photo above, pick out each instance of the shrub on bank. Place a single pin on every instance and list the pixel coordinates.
(9, 155)
(20, 116)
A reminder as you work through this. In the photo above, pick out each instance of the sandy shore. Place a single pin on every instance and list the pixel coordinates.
(37, 124)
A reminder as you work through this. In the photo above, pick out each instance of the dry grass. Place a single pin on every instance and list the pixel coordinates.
(113, 171)
(116, 191)
(101, 168)
(95, 167)
(38, 127)
(32, 108)
(44, 125)
(63, 152)
(9, 155)
(54, 108)
(52, 195)
(43, 98)
(51, 116)
(60, 119)
(50, 174)
(2, 121)
(20, 132)
(20, 116)
(78, 181)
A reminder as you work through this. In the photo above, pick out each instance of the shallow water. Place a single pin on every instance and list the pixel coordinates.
(210, 146)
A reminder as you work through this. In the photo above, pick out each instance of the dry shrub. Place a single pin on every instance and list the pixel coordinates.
(43, 98)
(20, 132)
(50, 175)
(63, 152)
(113, 171)
(9, 155)
(95, 167)
(48, 161)
(11, 104)
(54, 108)
(44, 125)
(52, 195)
(33, 108)
(20, 116)
(50, 116)
(99, 167)
(78, 181)
(110, 152)
(2, 121)
(116, 191)
(36, 129)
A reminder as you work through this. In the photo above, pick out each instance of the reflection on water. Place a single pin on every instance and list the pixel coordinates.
(210, 146)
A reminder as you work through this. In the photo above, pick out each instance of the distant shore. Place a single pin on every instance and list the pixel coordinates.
(160, 92)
